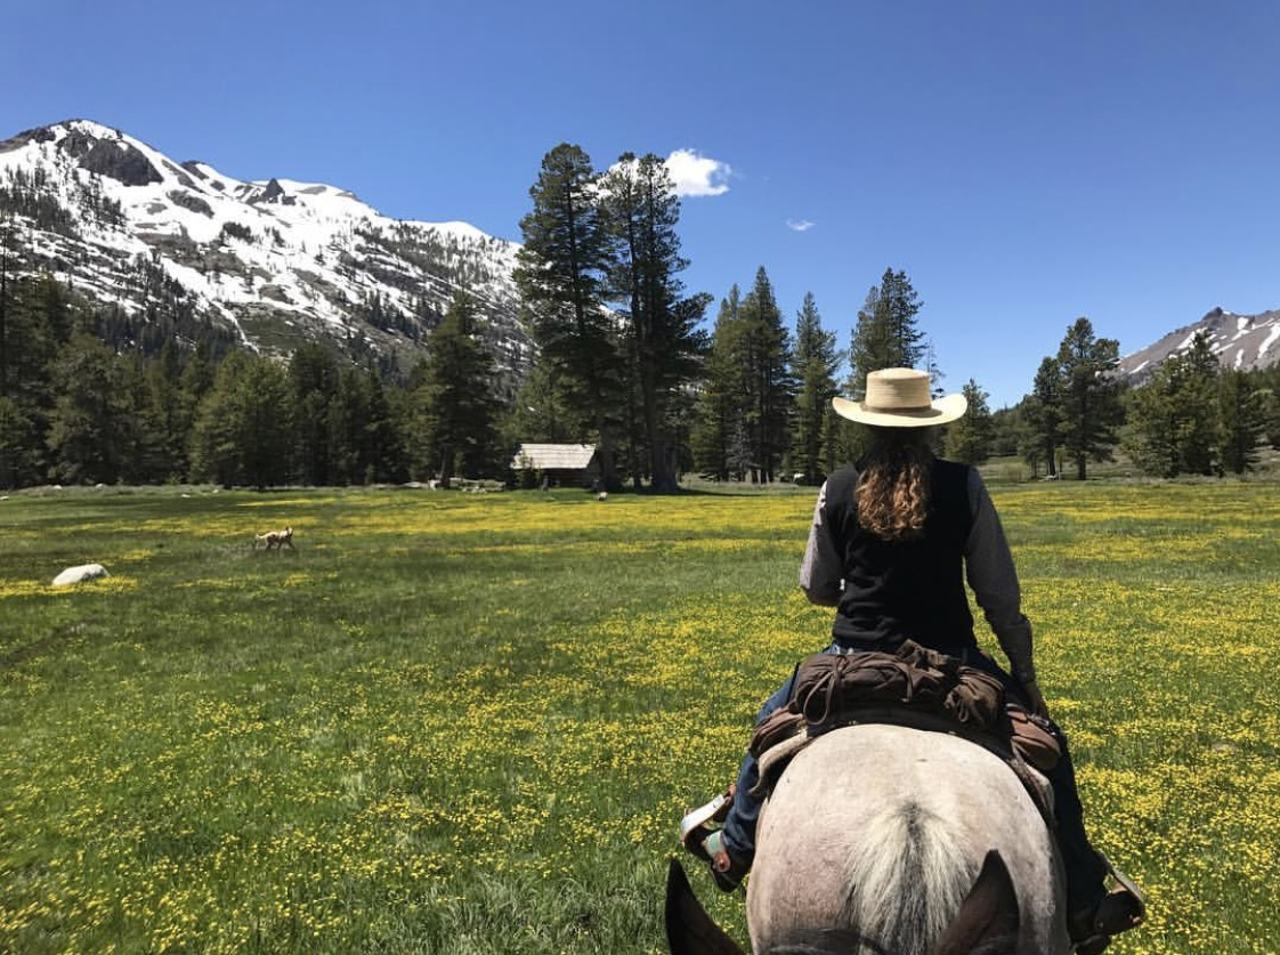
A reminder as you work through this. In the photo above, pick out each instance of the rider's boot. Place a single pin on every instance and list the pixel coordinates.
(1119, 910)
(700, 836)
(699, 823)
(727, 870)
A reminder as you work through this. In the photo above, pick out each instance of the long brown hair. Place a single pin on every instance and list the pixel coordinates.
(893, 489)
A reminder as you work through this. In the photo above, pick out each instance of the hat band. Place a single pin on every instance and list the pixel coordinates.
(900, 409)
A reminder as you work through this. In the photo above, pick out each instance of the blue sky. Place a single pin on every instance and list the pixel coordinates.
(1025, 163)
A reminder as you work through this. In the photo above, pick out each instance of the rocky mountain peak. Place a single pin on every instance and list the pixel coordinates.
(276, 262)
(1239, 341)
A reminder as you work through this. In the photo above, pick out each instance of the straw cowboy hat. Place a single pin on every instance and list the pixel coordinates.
(899, 398)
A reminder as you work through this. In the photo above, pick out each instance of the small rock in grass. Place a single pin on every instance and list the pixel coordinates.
(75, 575)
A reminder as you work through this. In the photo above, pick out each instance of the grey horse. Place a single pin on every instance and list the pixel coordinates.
(888, 840)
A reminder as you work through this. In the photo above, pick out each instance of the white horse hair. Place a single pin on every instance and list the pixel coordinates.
(875, 834)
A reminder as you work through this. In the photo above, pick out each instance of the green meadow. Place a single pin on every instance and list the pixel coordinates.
(469, 723)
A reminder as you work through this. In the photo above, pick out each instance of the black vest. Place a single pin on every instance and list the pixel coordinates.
(899, 589)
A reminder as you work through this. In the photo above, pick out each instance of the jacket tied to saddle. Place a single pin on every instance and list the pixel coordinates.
(914, 685)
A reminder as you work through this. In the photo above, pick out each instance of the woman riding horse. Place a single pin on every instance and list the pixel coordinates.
(891, 544)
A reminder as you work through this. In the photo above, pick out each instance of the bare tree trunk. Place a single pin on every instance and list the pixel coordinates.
(446, 467)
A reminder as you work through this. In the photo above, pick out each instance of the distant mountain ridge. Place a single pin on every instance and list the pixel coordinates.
(276, 262)
(1240, 341)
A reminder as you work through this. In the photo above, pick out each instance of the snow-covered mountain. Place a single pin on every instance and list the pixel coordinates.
(1240, 341)
(277, 261)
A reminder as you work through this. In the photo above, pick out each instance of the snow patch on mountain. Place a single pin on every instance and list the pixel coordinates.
(1239, 341)
(279, 260)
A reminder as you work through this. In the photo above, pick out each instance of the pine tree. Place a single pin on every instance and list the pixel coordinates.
(264, 433)
(313, 383)
(1173, 418)
(562, 268)
(720, 412)
(89, 437)
(1043, 412)
(1243, 416)
(213, 448)
(900, 304)
(886, 335)
(38, 320)
(1198, 399)
(384, 456)
(1006, 431)
(1090, 401)
(541, 412)
(969, 438)
(347, 408)
(814, 365)
(641, 210)
(457, 410)
(769, 384)
(165, 417)
(242, 432)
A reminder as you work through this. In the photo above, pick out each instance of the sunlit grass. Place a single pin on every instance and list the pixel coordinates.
(469, 723)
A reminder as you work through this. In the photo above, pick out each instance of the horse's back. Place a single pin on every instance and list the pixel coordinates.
(882, 829)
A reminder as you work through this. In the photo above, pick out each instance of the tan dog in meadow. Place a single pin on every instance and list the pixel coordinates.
(275, 540)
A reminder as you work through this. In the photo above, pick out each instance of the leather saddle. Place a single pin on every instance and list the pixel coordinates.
(914, 687)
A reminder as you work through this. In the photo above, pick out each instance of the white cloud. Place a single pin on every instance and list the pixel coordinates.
(800, 225)
(696, 175)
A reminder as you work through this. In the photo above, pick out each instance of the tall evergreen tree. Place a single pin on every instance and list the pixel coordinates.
(721, 425)
(165, 417)
(457, 410)
(541, 412)
(89, 432)
(347, 409)
(265, 430)
(561, 273)
(641, 210)
(1243, 415)
(19, 462)
(383, 455)
(1043, 411)
(1090, 401)
(213, 446)
(1173, 418)
(38, 322)
(886, 334)
(313, 384)
(1198, 398)
(768, 383)
(814, 366)
(969, 438)
(242, 432)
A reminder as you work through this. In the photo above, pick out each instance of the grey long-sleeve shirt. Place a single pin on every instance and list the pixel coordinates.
(988, 568)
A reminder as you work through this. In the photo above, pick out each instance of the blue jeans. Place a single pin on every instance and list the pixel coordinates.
(740, 825)
(1085, 870)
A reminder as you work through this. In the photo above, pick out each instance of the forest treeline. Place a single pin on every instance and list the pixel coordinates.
(88, 395)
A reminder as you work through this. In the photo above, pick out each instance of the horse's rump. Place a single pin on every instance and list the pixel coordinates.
(876, 832)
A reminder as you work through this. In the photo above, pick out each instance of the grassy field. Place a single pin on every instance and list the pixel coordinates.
(466, 723)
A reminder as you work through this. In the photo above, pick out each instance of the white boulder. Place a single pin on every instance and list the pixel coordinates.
(75, 575)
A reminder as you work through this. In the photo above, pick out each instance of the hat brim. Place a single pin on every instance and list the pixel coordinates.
(941, 411)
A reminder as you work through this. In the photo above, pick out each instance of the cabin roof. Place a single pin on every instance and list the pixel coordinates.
(558, 456)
